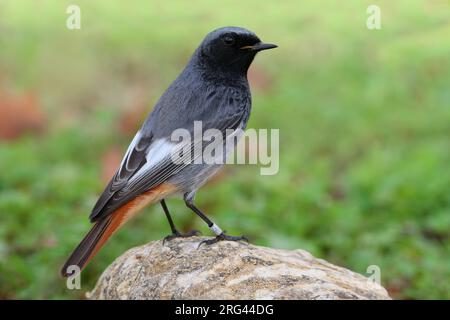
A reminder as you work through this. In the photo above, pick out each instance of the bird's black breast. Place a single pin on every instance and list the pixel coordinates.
(191, 99)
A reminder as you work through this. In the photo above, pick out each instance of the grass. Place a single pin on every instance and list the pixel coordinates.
(364, 127)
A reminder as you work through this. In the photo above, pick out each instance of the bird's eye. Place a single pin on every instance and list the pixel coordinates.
(228, 40)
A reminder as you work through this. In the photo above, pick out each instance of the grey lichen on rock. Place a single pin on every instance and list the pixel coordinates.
(228, 270)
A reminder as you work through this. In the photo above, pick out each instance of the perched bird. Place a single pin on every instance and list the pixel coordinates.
(212, 88)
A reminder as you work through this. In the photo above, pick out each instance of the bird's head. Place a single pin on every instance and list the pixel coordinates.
(231, 49)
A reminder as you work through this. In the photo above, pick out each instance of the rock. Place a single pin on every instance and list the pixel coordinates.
(228, 270)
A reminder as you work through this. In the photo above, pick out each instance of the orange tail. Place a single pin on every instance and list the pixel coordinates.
(105, 228)
(93, 241)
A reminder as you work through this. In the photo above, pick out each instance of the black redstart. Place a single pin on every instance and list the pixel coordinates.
(213, 88)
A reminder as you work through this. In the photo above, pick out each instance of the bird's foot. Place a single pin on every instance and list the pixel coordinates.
(177, 234)
(222, 237)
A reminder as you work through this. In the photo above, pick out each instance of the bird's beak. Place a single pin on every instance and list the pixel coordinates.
(259, 47)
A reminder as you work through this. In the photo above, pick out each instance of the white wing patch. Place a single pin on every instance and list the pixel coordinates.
(130, 148)
(157, 152)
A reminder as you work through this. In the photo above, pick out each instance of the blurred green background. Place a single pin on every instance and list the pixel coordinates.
(364, 119)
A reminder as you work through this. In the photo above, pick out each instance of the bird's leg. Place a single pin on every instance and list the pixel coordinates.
(220, 235)
(175, 232)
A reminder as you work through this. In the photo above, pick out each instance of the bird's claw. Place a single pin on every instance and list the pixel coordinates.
(177, 234)
(222, 237)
